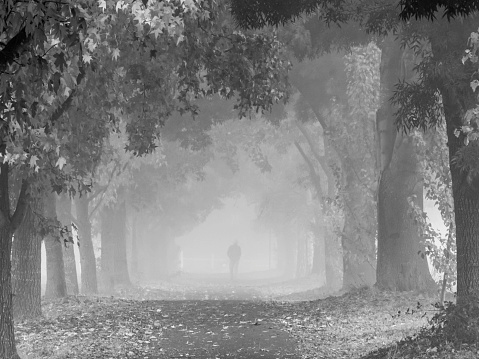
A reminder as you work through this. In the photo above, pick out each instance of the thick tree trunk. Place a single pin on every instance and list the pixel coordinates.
(316, 267)
(114, 265)
(134, 249)
(457, 98)
(107, 249)
(89, 284)
(26, 266)
(400, 266)
(333, 265)
(56, 284)
(465, 189)
(7, 342)
(301, 257)
(359, 232)
(8, 224)
(122, 276)
(64, 214)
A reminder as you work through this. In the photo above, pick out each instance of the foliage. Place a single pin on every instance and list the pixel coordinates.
(470, 128)
(428, 8)
(434, 162)
(454, 325)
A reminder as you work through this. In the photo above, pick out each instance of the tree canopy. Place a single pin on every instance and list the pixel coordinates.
(259, 13)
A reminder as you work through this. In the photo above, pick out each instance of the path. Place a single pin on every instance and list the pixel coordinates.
(220, 329)
(205, 321)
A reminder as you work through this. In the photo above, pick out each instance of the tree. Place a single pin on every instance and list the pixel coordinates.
(421, 107)
(64, 216)
(259, 13)
(26, 265)
(44, 61)
(381, 21)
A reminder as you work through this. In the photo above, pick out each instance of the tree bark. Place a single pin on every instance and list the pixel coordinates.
(64, 214)
(122, 276)
(457, 98)
(56, 284)
(7, 343)
(400, 265)
(359, 232)
(134, 249)
(26, 265)
(8, 225)
(465, 189)
(107, 249)
(89, 283)
(114, 264)
(301, 257)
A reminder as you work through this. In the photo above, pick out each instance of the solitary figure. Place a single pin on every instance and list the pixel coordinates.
(234, 254)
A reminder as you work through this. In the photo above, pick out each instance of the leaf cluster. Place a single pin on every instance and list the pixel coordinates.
(428, 8)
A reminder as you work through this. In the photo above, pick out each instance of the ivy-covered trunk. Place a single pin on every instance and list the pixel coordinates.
(56, 284)
(89, 283)
(401, 263)
(359, 232)
(26, 265)
(64, 214)
(399, 266)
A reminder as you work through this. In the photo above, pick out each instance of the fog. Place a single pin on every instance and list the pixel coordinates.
(204, 249)
(300, 203)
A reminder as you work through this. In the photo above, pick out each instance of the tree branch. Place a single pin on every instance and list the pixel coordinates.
(102, 192)
(312, 171)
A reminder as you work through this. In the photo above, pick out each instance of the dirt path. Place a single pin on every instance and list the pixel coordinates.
(221, 329)
(231, 323)
(222, 320)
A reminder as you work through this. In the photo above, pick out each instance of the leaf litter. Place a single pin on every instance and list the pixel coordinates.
(240, 322)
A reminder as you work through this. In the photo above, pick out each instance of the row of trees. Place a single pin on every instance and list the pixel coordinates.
(80, 81)
(430, 87)
(75, 72)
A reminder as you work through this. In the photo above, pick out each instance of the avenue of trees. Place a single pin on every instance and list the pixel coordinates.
(131, 120)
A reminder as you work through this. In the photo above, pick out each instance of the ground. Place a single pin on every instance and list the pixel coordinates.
(195, 318)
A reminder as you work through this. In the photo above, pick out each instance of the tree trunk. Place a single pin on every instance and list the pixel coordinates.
(122, 276)
(7, 342)
(8, 224)
(64, 214)
(89, 284)
(359, 232)
(26, 266)
(56, 284)
(318, 266)
(134, 249)
(400, 266)
(457, 98)
(107, 249)
(465, 189)
(301, 257)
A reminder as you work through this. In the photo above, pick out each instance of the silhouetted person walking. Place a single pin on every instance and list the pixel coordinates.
(234, 254)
